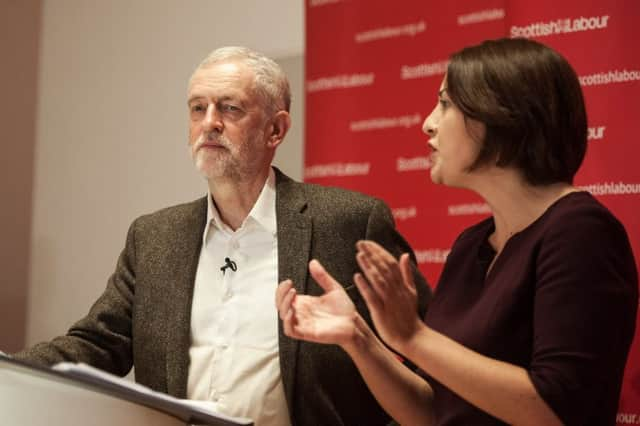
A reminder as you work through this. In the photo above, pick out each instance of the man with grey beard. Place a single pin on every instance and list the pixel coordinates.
(191, 302)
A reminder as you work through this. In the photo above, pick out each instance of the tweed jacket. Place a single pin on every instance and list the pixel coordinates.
(143, 317)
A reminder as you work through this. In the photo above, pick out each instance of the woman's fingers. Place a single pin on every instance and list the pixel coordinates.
(376, 252)
(370, 271)
(322, 277)
(368, 294)
(287, 304)
(379, 266)
(281, 291)
(407, 272)
(285, 296)
(288, 323)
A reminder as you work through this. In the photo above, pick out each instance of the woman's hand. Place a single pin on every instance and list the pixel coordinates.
(390, 293)
(330, 318)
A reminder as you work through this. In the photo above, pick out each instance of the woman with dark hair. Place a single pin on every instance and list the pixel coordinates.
(535, 310)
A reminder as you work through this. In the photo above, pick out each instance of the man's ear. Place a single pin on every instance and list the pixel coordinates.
(280, 125)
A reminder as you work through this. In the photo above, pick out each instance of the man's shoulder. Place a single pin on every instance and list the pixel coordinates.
(325, 197)
(314, 190)
(332, 202)
(336, 193)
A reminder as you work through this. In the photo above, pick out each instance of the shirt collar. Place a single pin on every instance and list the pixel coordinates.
(263, 212)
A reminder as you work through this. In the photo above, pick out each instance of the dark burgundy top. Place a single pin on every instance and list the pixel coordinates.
(560, 301)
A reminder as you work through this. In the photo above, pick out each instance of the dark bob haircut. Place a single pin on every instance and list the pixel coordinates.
(530, 100)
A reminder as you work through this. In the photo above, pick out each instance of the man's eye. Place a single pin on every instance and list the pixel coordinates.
(198, 108)
(230, 108)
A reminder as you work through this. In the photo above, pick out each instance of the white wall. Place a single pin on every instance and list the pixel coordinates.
(112, 129)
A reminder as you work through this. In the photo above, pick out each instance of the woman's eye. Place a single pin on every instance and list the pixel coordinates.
(443, 103)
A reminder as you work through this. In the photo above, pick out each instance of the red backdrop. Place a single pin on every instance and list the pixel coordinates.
(372, 72)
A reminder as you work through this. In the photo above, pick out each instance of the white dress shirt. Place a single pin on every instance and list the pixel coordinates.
(234, 321)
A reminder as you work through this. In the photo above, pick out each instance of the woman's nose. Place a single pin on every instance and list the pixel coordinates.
(429, 126)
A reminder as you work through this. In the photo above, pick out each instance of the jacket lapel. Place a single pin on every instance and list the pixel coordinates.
(294, 244)
(186, 253)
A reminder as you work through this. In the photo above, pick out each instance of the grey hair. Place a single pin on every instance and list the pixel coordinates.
(270, 80)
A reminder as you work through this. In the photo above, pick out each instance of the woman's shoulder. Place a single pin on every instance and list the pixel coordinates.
(579, 228)
(579, 212)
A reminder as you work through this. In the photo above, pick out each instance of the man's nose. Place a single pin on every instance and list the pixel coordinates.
(212, 119)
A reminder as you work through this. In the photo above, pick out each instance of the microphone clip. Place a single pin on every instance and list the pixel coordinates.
(230, 264)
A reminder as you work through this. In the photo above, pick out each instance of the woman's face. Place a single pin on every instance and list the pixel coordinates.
(454, 148)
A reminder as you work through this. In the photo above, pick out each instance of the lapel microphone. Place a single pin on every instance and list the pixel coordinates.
(228, 263)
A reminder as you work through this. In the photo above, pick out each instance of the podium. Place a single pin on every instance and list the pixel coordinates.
(33, 395)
